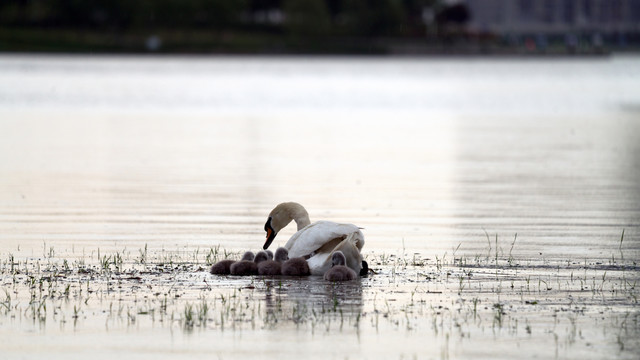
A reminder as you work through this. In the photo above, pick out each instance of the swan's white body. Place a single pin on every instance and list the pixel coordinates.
(311, 239)
(319, 240)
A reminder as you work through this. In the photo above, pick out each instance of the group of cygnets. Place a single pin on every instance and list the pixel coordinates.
(266, 264)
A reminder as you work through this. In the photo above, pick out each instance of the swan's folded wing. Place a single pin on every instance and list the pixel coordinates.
(319, 264)
(314, 236)
(321, 261)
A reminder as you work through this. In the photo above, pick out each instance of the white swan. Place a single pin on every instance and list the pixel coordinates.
(316, 242)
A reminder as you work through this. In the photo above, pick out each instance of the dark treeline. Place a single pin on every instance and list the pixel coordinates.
(250, 22)
(121, 15)
(329, 17)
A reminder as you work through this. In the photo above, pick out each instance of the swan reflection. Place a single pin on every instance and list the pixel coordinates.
(312, 297)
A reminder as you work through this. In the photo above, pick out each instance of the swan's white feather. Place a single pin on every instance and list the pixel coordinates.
(313, 236)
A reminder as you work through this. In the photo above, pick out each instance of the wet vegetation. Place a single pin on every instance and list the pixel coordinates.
(456, 299)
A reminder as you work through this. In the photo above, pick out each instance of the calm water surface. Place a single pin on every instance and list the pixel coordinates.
(429, 156)
(424, 154)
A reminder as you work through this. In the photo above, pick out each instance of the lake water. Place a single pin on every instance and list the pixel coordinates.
(425, 154)
(429, 156)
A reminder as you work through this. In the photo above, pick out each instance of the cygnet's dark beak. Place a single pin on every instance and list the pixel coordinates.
(270, 234)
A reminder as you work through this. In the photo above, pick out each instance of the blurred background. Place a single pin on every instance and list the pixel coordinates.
(321, 26)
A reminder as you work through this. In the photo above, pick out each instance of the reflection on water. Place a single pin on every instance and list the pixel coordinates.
(315, 294)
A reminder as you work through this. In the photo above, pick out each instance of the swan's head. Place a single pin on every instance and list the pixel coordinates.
(338, 258)
(281, 216)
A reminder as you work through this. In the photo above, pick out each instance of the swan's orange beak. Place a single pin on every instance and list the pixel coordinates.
(270, 234)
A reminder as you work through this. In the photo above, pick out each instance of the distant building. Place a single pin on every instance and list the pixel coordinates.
(555, 17)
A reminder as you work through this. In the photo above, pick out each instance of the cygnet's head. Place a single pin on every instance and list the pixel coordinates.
(261, 256)
(270, 253)
(338, 259)
(282, 254)
(248, 256)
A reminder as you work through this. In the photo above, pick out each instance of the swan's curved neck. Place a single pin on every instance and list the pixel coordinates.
(302, 221)
(284, 213)
(298, 214)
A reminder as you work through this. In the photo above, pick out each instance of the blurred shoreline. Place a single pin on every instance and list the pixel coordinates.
(231, 43)
(322, 27)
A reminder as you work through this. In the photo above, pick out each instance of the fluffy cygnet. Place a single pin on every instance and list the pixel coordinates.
(297, 266)
(223, 267)
(246, 266)
(339, 272)
(273, 267)
(248, 256)
(261, 256)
